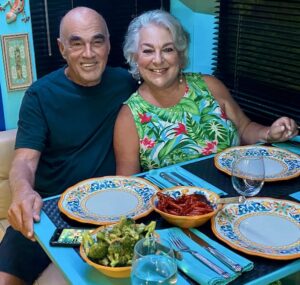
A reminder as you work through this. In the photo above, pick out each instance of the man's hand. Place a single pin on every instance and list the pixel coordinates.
(26, 203)
(24, 210)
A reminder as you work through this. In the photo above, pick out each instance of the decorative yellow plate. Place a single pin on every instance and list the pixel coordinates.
(261, 226)
(104, 200)
(280, 164)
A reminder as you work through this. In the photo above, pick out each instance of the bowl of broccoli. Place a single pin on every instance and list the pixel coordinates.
(109, 249)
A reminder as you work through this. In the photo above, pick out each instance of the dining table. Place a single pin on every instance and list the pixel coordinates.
(205, 174)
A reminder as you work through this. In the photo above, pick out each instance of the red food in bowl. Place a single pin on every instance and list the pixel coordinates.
(185, 205)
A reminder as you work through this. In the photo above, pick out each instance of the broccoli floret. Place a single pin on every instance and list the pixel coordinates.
(87, 241)
(104, 261)
(149, 229)
(105, 236)
(128, 243)
(123, 223)
(140, 228)
(126, 222)
(98, 250)
(117, 253)
(101, 236)
(131, 232)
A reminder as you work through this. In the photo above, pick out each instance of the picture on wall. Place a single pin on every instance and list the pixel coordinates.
(17, 61)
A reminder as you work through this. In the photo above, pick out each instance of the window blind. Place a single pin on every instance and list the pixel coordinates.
(257, 56)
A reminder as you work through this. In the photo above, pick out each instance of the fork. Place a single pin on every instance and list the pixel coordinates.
(179, 243)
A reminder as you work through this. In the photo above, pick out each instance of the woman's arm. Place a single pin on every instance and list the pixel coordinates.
(249, 131)
(126, 144)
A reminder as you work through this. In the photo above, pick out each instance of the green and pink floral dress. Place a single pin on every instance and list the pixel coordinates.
(194, 127)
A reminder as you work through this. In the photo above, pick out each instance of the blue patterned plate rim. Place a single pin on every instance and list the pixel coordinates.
(261, 226)
(103, 200)
(286, 161)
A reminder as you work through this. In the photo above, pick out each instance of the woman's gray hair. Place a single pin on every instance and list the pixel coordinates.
(161, 18)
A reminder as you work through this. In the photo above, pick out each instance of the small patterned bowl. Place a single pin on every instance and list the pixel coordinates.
(188, 221)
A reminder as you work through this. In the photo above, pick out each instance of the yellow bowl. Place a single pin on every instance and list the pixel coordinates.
(188, 221)
(115, 272)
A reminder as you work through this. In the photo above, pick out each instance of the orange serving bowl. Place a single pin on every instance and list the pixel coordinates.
(115, 272)
(188, 221)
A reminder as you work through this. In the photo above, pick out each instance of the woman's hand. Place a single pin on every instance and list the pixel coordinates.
(282, 129)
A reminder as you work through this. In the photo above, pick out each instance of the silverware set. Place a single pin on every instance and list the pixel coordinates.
(215, 252)
(170, 179)
(174, 181)
(179, 243)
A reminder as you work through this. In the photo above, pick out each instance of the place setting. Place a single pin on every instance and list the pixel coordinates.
(261, 226)
(204, 260)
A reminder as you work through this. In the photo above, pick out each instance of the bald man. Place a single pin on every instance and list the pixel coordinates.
(65, 131)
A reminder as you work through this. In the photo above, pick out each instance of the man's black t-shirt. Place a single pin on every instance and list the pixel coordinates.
(72, 127)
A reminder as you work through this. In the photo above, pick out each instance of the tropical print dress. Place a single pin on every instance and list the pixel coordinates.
(194, 127)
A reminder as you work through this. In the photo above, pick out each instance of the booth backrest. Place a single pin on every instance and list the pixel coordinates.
(7, 143)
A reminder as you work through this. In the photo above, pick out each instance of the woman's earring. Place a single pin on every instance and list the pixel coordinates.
(180, 76)
(138, 76)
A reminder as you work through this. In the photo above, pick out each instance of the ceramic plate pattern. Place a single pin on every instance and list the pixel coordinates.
(104, 200)
(280, 164)
(261, 226)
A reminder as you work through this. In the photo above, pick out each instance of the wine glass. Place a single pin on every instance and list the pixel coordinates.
(153, 263)
(248, 173)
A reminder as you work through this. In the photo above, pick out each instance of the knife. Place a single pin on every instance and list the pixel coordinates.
(232, 200)
(155, 181)
(170, 179)
(216, 253)
(182, 178)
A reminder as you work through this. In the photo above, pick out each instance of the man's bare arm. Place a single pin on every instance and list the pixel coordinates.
(26, 202)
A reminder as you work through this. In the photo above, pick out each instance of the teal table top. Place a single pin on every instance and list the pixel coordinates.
(76, 271)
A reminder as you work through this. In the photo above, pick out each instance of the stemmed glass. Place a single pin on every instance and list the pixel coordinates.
(248, 173)
(153, 262)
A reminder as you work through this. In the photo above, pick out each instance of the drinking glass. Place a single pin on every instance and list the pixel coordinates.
(153, 263)
(248, 174)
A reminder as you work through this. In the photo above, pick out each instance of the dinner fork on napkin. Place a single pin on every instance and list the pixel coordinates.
(197, 270)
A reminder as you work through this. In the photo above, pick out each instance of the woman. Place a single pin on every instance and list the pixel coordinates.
(173, 116)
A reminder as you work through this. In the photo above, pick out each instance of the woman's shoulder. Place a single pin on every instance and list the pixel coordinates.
(200, 76)
(197, 81)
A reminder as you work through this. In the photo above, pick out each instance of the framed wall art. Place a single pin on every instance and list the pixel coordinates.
(17, 61)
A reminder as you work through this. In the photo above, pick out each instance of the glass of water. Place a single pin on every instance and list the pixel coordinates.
(153, 263)
(248, 173)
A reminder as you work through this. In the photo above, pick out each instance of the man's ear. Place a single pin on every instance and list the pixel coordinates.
(109, 47)
(61, 48)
